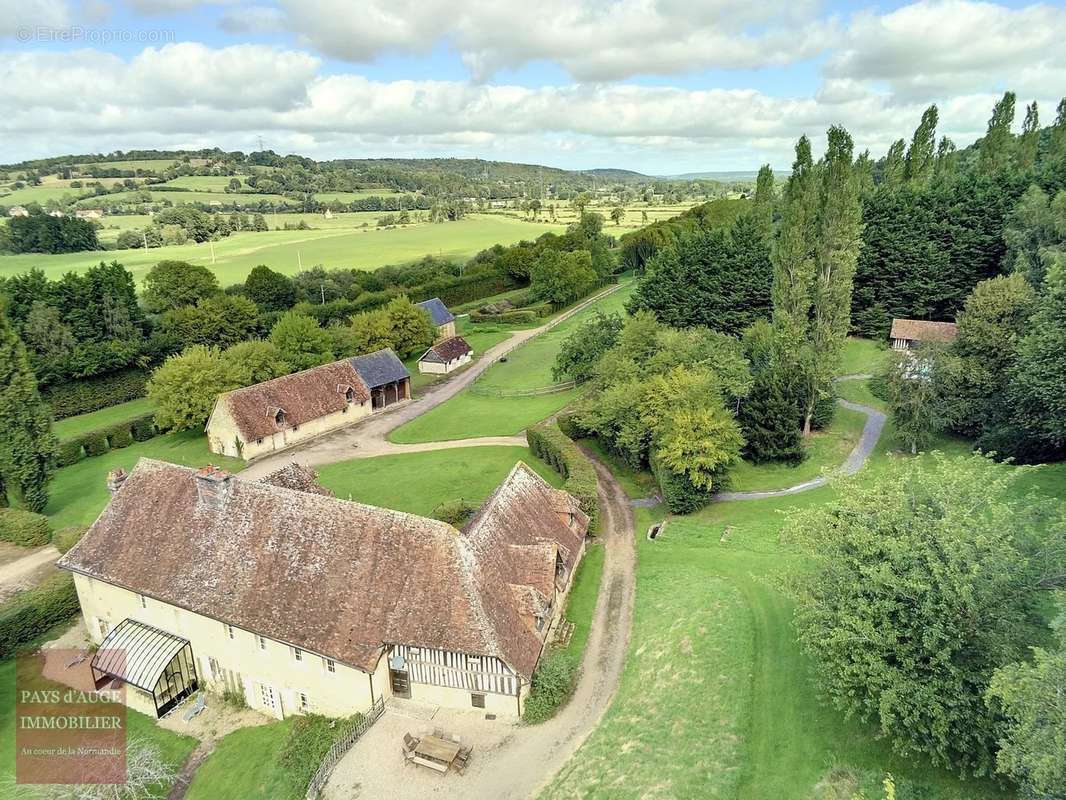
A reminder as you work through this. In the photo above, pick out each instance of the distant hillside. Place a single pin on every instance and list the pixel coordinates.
(621, 175)
(724, 177)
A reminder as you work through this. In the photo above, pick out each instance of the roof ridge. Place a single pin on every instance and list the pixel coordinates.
(288, 376)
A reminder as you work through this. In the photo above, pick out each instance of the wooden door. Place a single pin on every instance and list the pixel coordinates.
(401, 684)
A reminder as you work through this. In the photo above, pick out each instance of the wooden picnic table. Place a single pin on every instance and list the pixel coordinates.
(436, 749)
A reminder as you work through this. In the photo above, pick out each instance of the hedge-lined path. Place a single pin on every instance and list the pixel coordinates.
(27, 571)
(513, 761)
(369, 437)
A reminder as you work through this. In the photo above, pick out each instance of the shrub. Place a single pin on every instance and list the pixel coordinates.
(24, 528)
(549, 443)
(31, 613)
(120, 436)
(235, 698)
(66, 538)
(143, 428)
(553, 680)
(95, 443)
(507, 318)
(311, 737)
(680, 495)
(91, 394)
(454, 512)
(69, 453)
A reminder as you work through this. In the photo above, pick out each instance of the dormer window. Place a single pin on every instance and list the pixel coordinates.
(349, 395)
(279, 417)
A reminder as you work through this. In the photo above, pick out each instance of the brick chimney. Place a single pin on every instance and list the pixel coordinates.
(115, 479)
(213, 485)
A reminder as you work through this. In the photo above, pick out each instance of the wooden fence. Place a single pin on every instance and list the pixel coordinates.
(342, 746)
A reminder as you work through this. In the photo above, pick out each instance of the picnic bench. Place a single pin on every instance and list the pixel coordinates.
(435, 752)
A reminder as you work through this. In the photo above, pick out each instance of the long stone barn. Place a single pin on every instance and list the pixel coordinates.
(274, 415)
(303, 602)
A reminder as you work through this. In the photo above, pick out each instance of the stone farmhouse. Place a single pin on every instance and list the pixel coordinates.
(274, 415)
(307, 603)
(910, 334)
(446, 355)
(443, 319)
(18, 211)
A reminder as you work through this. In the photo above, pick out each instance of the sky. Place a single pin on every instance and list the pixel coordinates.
(659, 86)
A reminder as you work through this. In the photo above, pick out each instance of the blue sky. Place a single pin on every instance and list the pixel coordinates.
(660, 86)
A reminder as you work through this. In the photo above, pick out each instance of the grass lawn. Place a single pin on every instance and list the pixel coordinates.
(83, 423)
(174, 748)
(286, 251)
(859, 392)
(419, 482)
(478, 412)
(246, 764)
(581, 604)
(861, 356)
(78, 493)
(826, 449)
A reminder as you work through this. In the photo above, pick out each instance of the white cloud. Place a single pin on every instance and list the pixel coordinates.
(942, 47)
(18, 17)
(591, 39)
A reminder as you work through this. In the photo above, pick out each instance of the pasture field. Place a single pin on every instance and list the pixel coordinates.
(203, 183)
(419, 482)
(59, 190)
(148, 164)
(95, 420)
(114, 224)
(717, 699)
(181, 198)
(479, 410)
(291, 251)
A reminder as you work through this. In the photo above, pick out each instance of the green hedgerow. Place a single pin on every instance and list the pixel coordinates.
(95, 443)
(31, 613)
(553, 681)
(66, 538)
(120, 436)
(69, 453)
(24, 527)
(143, 428)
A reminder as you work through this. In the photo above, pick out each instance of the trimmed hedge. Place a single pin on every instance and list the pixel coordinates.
(24, 528)
(94, 443)
(31, 613)
(549, 443)
(553, 680)
(66, 538)
(91, 394)
(506, 318)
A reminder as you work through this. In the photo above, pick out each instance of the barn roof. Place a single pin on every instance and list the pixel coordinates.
(379, 368)
(302, 396)
(298, 478)
(437, 311)
(921, 330)
(334, 577)
(447, 350)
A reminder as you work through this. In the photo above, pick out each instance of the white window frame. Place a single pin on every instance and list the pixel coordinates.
(230, 631)
(298, 654)
(144, 601)
(305, 702)
(261, 641)
(330, 665)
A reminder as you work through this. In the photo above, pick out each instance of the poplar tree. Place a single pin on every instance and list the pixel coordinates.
(764, 199)
(995, 151)
(27, 446)
(792, 256)
(1058, 132)
(1030, 141)
(921, 154)
(947, 159)
(894, 168)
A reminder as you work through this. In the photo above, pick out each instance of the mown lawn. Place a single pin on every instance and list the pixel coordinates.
(173, 748)
(826, 449)
(83, 423)
(861, 356)
(78, 493)
(480, 411)
(859, 392)
(246, 764)
(419, 482)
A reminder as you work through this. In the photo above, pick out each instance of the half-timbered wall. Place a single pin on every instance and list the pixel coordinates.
(457, 671)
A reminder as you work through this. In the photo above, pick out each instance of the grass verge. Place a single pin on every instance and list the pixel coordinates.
(72, 427)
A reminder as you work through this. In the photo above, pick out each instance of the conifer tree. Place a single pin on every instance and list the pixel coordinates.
(1058, 132)
(27, 446)
(995, 153)
(947, 158)
(920, 157)
(764, 199)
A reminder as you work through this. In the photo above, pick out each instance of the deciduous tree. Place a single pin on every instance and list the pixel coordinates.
(173, 284)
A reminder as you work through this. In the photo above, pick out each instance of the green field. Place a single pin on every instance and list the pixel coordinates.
(246, 763)
(289, 251)
(180, 198)
(151, 165)
(477, 411)
(203, 183)
(717, 699)
(78, 493)
(83, 423)
(59, 190)
(419, 482)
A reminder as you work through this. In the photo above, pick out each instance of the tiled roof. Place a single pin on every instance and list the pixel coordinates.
(297, 478)
(379, 368)
(302, 396)
(921, 330)
(448, 350)
(437, 311)
(337, 578)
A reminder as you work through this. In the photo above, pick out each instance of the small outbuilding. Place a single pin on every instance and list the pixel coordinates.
(443, 319)
(909, 334)
(445, 356)
(18, 211)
